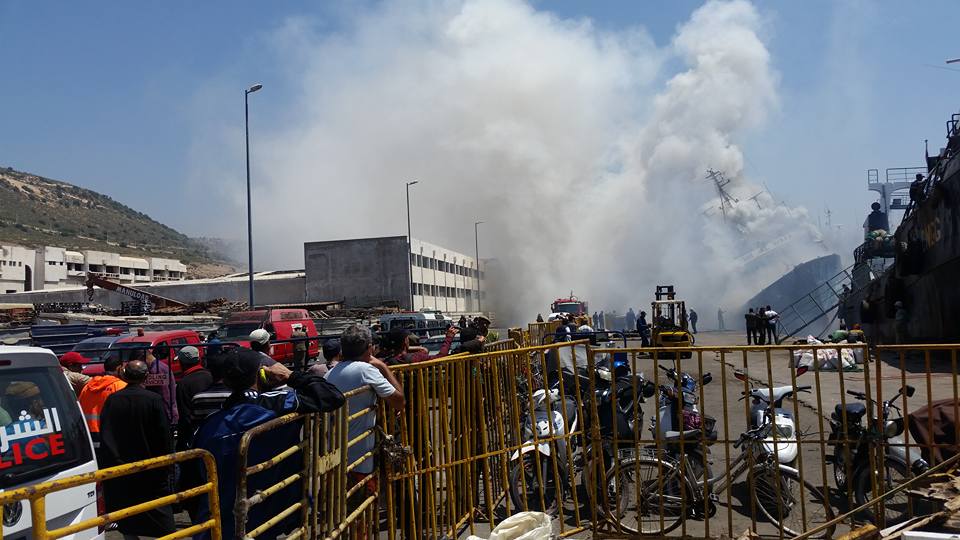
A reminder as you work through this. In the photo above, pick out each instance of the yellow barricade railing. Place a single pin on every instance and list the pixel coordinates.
(575, 431)
(299, 453)
(36, 495)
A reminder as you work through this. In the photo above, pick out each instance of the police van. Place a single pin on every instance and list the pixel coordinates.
(43, 437)
(424, 323)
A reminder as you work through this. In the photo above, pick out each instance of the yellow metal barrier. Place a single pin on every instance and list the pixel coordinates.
(464, 423)
(36, 495)
(557, 428)
(299, 454)
(477, 458)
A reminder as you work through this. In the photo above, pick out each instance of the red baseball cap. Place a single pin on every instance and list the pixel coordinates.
(73, 358)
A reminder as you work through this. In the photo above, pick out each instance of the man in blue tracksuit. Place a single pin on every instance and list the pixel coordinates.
(247, 407)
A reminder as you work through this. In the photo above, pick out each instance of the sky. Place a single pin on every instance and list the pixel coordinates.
(144, 102)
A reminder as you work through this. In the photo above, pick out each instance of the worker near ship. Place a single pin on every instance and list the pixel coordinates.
(876, 220)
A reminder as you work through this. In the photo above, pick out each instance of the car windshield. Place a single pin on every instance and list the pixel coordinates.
(131, 350)
(42, 431)
(569, 307)
(95, 351)
(238, 331)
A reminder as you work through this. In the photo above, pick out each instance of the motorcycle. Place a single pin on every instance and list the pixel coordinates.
(544, 448)
(678, 408)
(782, 439)
(852, 448)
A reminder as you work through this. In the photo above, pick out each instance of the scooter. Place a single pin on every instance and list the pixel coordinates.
(782, 439)
(534, 485)
(674, 419)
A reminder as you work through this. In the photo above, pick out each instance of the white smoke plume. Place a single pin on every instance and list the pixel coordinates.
(586, 167)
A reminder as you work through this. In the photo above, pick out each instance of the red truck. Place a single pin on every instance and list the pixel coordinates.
(165, 346)
(571, 305)
(279, 322)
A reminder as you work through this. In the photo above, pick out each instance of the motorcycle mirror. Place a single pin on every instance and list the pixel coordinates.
(707, 377)
(648, 389)
(909, 390)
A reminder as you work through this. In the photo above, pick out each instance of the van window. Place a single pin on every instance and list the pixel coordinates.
(237, 331)
(42, 431)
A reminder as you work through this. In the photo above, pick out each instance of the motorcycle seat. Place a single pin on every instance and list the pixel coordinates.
(688, 435)
(855, 412)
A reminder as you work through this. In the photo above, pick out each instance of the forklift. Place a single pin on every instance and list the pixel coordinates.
(669, 321)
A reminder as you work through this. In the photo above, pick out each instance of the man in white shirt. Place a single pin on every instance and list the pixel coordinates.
(357, 369)
(772, 318)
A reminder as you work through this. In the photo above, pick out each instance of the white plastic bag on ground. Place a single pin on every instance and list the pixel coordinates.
(826, 359)
(521, 526)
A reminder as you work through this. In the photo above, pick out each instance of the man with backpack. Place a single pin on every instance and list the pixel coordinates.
(258, 394)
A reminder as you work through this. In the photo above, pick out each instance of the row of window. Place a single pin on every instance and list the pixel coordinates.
(422, 289)
(11, 263)
(431, 263)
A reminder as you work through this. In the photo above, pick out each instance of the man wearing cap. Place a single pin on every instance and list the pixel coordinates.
(72, 365)
(251, 404)
(260, 342)
(195, 379)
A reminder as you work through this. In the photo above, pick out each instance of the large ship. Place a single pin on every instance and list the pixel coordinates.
(905, 287)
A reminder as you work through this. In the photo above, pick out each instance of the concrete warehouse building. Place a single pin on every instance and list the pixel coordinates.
(25, 269)
(377, 271)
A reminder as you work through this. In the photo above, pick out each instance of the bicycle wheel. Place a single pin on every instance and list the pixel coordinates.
(792, 505)
(895, 508)
(646, 496)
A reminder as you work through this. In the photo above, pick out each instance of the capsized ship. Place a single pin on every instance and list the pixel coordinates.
(916, 271)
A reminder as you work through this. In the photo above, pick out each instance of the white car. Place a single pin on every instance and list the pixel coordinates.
(43, 437)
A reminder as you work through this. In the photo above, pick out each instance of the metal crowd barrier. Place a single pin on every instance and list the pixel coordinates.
(36, 495)
(310, 478)
(531, 429)
(476, 459)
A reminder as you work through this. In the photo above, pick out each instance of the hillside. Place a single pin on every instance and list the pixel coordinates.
(37, 211)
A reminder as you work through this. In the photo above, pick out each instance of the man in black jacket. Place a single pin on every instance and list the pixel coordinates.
(134, 427)
(195, 379)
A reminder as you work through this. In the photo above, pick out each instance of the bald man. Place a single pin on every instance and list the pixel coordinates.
(133, 427)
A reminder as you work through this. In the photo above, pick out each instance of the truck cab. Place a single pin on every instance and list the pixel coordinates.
(279, 322)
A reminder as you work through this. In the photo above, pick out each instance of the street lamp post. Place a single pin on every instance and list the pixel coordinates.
(410, 246)
(246, 127)
(476, 245)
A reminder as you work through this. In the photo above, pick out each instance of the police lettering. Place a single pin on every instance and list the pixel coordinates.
(36, 449)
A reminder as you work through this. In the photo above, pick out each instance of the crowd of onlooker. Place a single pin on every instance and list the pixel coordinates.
(138, 409)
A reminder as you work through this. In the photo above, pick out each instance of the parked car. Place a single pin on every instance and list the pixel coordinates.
(279, 322)
(165, 346)
(93, 351)
(43, 437)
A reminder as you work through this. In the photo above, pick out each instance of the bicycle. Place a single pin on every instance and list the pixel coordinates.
(662, 487)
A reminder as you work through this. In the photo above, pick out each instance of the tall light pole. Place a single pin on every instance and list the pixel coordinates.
(410, 245)
(246, 127)
(476, 245)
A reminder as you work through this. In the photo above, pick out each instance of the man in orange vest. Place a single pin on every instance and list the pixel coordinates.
(95, 394)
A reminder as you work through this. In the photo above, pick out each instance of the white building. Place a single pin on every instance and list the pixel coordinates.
(381, 271)
(26, 269)
(444, 279)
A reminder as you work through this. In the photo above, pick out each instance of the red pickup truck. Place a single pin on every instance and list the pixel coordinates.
(279, 322)
(165, 346)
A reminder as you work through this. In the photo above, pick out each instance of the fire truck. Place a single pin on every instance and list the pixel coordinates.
(572, 305)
